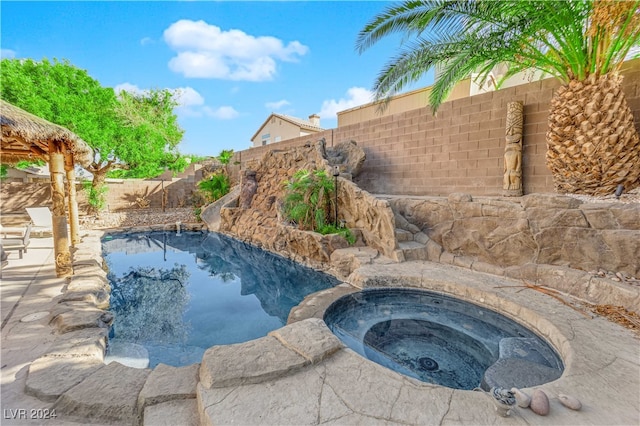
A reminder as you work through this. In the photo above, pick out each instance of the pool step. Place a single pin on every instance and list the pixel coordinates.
(413, 250)
(403, 235)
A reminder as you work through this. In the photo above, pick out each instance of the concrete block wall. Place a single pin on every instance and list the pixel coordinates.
(461, 149)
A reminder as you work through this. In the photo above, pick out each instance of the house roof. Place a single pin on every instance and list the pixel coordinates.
(300, 122)
(26, 137)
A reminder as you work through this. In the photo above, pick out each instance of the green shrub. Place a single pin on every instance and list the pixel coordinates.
(216, 187)
(96, 197)
(308, 200)
(332, 229)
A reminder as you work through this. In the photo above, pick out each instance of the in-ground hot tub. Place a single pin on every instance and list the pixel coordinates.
(442, 340)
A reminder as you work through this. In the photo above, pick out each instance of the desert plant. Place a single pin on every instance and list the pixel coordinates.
(216, 187)
(592, 142)
(307, 201)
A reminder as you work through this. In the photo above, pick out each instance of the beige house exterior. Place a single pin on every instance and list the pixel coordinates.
(280, 127)
(419, 98)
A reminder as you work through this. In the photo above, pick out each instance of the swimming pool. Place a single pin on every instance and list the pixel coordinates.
(177, 295)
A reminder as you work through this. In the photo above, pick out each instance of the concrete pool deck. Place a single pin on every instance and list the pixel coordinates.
(300, 374)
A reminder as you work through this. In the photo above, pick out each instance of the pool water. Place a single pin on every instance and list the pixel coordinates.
(442, 340)
(177, 295)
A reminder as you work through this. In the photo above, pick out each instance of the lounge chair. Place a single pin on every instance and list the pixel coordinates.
(18, 242)
(41, 219)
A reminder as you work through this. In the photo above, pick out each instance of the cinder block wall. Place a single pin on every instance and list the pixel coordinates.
(461, 149)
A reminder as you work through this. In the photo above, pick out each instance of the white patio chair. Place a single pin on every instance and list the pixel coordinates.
(41, 219)
(17, 242)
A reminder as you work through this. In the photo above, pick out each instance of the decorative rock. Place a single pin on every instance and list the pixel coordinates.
(50, 377)
(87, 342)
(248, 189)
(522, 399)
(570, 402)
(262, 359)
(167, 383)
(539, 403)
(179, 412)
(109, 396)
(79, 316)
(348, 155)
(310, 338)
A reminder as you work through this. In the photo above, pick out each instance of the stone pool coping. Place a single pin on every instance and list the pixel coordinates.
(301, 373)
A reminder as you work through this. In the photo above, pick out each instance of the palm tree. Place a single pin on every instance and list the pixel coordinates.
(592, 143)
(224, 158)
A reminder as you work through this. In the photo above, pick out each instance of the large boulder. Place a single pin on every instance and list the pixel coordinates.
(348, 156)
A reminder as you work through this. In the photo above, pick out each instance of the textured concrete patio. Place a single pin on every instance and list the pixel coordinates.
(300, 374)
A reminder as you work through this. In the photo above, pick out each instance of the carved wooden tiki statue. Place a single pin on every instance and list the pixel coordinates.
(512, 184)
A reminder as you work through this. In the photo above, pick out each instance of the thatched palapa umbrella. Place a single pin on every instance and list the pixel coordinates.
(28, 137)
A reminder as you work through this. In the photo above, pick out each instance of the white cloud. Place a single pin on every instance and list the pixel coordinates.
(147, 40)
(206, 51)
(274, 106)
(221, 113)
(128, 87)
(356, 96)
(7, 53)
(187, 96)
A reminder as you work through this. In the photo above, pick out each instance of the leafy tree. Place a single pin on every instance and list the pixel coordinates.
(135, 132)
(592, 143)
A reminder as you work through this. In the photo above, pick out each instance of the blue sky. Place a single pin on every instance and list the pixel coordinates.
(234, 62)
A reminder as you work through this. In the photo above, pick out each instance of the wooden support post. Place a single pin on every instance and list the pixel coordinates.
(74, 221)
(59, 219)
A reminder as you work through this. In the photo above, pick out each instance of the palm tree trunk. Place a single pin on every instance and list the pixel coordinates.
(592, 143)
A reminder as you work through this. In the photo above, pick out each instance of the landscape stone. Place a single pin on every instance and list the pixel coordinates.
(310, 338)
(167, 383)
(570, 402)
(183, 412)
(110, 394)
(283, 402)
(263, 225)
(539, 403)
(348, 156)
(86, 342)
(100, 299)
(262, 359)
(49, 377)
(72, 316)
(549, 201)
(314, 305)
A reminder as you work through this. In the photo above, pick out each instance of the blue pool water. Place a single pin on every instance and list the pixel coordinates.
(179, 295)
(442, 340)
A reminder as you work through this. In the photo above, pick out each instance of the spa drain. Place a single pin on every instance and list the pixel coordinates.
(427, 363)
